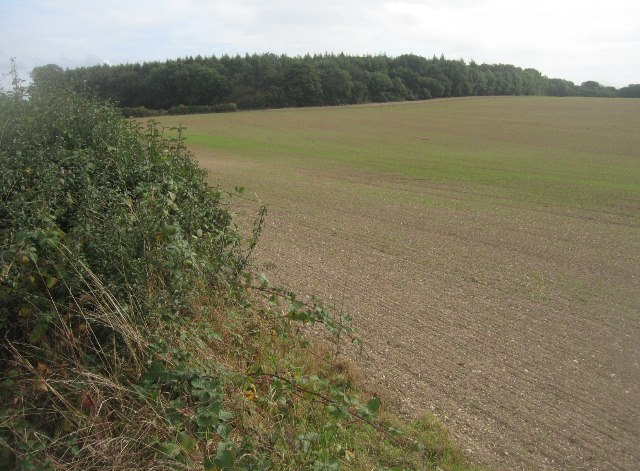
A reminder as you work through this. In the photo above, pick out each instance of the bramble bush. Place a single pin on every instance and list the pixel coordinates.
(132, 335)
(104, 230)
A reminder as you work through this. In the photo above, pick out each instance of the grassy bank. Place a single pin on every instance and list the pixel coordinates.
(133, 335)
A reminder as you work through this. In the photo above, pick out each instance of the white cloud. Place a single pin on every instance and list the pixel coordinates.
(569, 39)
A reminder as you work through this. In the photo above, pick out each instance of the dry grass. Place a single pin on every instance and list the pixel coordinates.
(93, 418)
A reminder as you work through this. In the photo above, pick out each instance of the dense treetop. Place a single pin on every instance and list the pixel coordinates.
(273, 81)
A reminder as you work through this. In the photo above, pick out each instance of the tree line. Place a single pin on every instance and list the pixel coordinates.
(275, 81)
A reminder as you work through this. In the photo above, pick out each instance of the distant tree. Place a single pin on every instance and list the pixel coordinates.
(204, 86)
(379, 85)
(458, 73)
(267, 80)
(359, 92)
(435, 87)
(47, 74)
(594, 89)
(533, 82)
(417, 64)
(589, 88)
(479, 82)
(559, 87)
(336, 83)
(412, 86)
(125, 89)
(630, 91)
(302, 83)
(400, 92)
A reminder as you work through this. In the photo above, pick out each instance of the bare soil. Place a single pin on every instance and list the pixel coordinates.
(476, 316)
(513, 317)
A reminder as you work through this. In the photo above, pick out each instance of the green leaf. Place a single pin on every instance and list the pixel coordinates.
(211, 335)
(51, 281)
(154, 373)
(223, 430)
(174, 417)
(337, 412)
(204, 382)
(206, 421)
(374, 404)
(199, 383)
(264, 282)
(170, 449)
(224, 457)
(38, 331)
(209, 465)
(188, 442)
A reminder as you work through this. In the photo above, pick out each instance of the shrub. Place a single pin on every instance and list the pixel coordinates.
(121, 200)
(131, 334)
(225, 108)
(104, 230)
(140, 112)
(178, 109)
(195, 109)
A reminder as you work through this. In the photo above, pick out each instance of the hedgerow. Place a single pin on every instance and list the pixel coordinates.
(132, 335)
(142, 112)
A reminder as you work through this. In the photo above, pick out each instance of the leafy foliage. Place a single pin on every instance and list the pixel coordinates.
(133, 336)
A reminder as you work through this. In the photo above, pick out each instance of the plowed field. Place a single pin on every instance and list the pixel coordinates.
(487, 248)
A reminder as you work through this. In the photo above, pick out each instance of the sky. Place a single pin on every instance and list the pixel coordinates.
(574, 40)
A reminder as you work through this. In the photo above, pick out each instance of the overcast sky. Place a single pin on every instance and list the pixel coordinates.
(574, 40)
